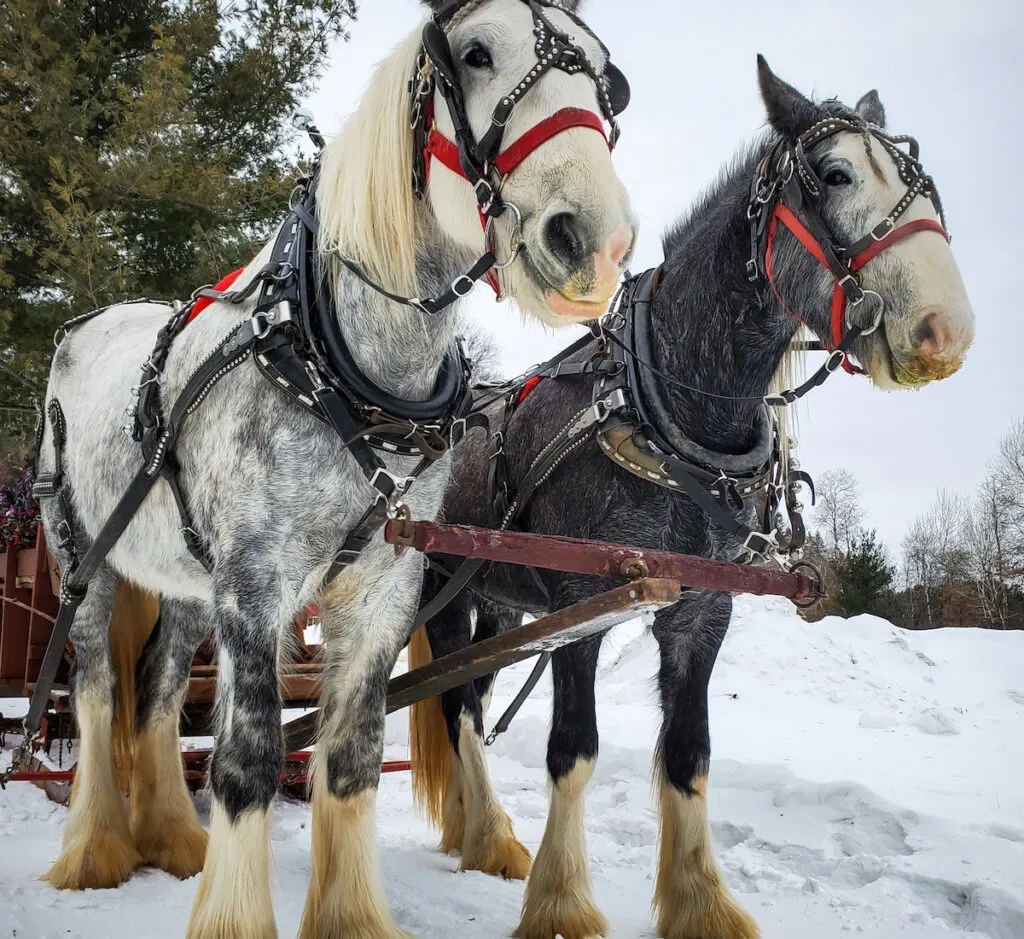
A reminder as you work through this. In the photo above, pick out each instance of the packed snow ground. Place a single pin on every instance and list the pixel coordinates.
(865, 780)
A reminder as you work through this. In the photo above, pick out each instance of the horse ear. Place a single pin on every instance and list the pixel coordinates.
(789, 112)
(870, 108)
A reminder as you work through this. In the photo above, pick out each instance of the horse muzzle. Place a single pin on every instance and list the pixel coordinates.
(935, 348)
(580, 264)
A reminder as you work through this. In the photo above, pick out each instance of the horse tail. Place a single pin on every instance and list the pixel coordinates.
(430, 753)
(135, 615)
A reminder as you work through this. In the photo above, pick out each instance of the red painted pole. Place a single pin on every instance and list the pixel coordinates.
(593, 557)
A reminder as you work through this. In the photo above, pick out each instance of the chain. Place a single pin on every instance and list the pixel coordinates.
(20, 757)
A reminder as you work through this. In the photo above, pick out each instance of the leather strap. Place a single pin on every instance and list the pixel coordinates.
(447, 152)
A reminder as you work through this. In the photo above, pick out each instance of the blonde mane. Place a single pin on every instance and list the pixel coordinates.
(788, 375)
(365, 201)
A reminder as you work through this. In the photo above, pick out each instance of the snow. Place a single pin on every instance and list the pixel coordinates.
(865, 781)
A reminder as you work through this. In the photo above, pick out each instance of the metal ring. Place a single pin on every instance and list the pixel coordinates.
(515, 238)
(879, 313)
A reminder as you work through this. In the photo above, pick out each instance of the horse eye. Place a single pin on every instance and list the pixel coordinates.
(477, 56)
(837, 177)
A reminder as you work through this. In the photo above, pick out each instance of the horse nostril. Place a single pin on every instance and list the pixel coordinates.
(565, 240)
(933, 333)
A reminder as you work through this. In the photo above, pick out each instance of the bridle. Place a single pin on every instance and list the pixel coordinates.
(482, 162)
(787, 190)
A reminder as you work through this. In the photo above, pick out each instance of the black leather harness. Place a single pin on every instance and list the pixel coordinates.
(295, 340)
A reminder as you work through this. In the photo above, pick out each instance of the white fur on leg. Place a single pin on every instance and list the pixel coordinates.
(164, 824)
(346, 893)
(559, 900)
(233, 901)
(489, 843)
(98, 851)
(690, 896)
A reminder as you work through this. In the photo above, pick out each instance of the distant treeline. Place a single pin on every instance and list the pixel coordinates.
(962, 561)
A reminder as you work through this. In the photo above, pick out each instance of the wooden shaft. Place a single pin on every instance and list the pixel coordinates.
(591, 557)
(593, 615)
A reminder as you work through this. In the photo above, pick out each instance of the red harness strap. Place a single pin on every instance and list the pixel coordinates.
(789, 219)
(528, 387)
(445, 150)
(512, 157)
(203, 302)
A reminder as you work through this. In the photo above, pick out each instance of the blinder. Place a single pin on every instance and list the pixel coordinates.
(617, 84)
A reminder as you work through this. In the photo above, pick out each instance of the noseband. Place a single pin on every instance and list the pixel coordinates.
(483, 163)
(786, 190)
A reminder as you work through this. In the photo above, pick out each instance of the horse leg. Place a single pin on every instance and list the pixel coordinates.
(690, 895)
(233, 900)
(98, 850)
(164, 824)
(489, 843)
(433, 747)
(366, 620)
(559, 899)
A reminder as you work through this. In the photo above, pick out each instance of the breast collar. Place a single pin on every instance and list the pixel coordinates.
(304, 353)
(650, 450)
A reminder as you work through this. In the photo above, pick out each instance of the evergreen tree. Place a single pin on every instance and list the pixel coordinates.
(864, 578)
(143, 152)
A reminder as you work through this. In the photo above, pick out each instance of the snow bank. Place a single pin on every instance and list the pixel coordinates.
(864, 780)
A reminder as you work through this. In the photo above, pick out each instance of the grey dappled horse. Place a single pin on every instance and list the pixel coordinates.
(273, 491)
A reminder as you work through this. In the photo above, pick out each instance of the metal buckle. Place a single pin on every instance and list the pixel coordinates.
(835, 360)
(463, 278)
(850, 278)
(507, 106)
(887, 221)
(400, 484)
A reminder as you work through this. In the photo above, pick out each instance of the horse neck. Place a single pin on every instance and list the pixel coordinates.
(713, 329)
(400, 348)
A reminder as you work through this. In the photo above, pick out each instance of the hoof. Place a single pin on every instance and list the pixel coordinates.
(181, 852)
(555, 917)
(97, 860)
(506, 858)
(724, 918)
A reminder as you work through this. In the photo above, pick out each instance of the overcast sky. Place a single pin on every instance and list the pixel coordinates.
(950, 73)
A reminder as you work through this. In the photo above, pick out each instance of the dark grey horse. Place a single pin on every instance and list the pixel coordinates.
(715, 330)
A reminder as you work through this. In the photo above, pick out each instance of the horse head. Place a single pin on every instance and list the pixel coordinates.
(866, 227)
(535, 90)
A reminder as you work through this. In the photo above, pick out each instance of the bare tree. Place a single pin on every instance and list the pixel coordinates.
(1007, 474)
(838, 513)
(985, 537)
